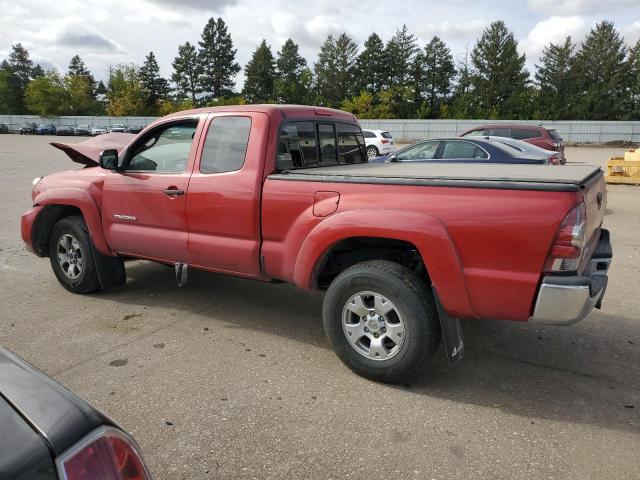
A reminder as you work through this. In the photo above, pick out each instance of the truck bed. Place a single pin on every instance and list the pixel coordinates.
(512, 177)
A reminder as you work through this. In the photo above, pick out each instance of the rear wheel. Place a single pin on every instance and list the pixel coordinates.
(372, 151)
(381, 321)
(71, 256)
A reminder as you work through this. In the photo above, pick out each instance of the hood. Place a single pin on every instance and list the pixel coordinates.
(88, 151)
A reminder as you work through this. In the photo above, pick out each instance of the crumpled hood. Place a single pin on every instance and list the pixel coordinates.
(88, 151)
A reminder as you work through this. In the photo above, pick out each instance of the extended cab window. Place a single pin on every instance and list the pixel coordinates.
(297, 147)
(351, 145)
(164, 150)
(226, 144)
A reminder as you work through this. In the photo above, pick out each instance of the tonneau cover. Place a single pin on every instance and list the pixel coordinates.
(537, 177)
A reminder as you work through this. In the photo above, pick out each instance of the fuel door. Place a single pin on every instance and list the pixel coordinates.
(325, 203)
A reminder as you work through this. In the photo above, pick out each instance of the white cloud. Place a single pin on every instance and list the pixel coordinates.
(579, 7)
(553, 30)
(631, 33)
(453, 30)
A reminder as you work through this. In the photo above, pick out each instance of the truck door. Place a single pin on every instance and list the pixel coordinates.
(223, 201)
(143, 204)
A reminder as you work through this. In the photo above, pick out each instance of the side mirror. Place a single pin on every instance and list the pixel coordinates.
(109, 159)
(393, 158)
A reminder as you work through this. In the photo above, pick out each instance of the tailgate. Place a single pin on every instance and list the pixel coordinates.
(595, 202)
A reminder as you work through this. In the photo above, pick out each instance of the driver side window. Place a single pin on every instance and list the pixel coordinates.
(164, 150)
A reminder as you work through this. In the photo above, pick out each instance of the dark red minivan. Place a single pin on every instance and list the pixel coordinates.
(539, 136)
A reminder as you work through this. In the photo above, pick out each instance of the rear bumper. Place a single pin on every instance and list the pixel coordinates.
(567, 300)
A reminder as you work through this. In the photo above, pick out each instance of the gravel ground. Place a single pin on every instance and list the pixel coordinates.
(228, 378)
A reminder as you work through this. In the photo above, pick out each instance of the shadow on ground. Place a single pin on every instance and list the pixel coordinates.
(582, 374)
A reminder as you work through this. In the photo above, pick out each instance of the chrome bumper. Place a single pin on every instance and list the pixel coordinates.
(567, 300)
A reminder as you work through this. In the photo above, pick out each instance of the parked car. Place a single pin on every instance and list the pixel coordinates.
(67, 130)
(546, 138)
(286, 193)
(82, 130)
(98, 131)
(28, 128)
(378, 142)
(46, 129)
(118, 128)
(554, 158)
(455, 149)
(136, 129)
(48, 432)
(4, 128)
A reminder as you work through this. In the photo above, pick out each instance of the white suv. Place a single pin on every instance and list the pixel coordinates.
(379, 142)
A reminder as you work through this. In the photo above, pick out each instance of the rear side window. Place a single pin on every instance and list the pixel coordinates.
(499, 132)
(351, 144)
(386, 135)
(368, 134)
(462, 150)
(297, 147)
(525, 133)
(225, 147)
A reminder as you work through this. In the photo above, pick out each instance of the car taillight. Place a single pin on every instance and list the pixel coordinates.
(384, 140)
(104, 454)
(553, 160)
(569, 242)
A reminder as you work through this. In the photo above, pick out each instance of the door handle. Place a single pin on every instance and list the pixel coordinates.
(174, 191)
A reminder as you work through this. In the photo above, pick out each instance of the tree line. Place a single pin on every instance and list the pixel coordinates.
(598, 79)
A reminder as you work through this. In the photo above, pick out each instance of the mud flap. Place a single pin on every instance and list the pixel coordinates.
(111, 273)
(451, 332)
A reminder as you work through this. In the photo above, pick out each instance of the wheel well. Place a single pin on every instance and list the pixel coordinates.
(47, 218)
(354, 250)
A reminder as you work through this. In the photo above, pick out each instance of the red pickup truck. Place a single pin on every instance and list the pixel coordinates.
(285, 193)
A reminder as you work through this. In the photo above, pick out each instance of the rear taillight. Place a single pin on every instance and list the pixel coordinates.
(553, 160)
(568, 245)
(384, 140)
(104, 454)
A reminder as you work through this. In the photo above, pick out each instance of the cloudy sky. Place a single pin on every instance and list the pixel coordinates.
(108, 32)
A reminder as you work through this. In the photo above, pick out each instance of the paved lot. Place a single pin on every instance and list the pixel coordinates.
(228, 378)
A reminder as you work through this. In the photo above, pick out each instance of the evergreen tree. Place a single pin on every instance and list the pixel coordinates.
(78, 67)
(260, 75)
(37, 72)
(434, 73)
(293, 80)
(599, 73)
(186, 71)
(371, 66)
(216, 57)
(10, 97)
(334, 70)
(21, 65)
(500, 78)
(154, 86)
(399, 54)
(554, 80)
(633, 74)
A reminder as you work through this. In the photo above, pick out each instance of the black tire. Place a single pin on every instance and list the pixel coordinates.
(413, 300)
(372, 151)
(87, 279)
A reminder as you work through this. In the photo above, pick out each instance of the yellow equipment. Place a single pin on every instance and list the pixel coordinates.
(624, 169)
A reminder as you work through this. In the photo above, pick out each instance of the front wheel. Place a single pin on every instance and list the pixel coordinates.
(381, 321)
(71, 256)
